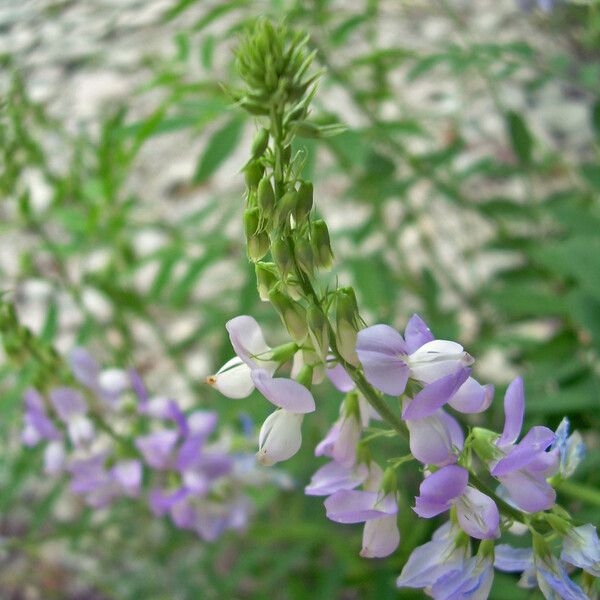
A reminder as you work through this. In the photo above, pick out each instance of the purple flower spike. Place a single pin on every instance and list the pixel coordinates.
(127, 474)
(439, 490)
(382, 353)
(284, 393)
(435, 395)
(357, 506)
(333, 477)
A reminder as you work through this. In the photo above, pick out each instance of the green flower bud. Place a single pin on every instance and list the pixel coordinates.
(292, 314)
(253, 173)
(284, 352)
(318, 331)
(266, 278)
(286, 207)
(266, 197)
(258, 246)
(282, 256)
(260, 142)
(251, 222)
(322, 245)
(483, 442)
(305, 201)
(304, 255)
(286, 155)
(389, 483)
(347, 322)
(305, 376)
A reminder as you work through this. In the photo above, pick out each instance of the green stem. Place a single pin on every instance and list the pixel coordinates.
(580, 492)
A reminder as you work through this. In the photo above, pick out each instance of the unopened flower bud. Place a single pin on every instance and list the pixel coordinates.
(258, 242)
(266, 197)
(283, 353)
(318, 331)
(286, 155)
(280, 437)
(304, 255)
(484, 444)
(292, 314)
(282, 256)
(305, 376)
(286, 207)
(260, 142)
(266, 278)
(322, 245)
(389, 483)
(253, 173)
(347, 324)
(305, 201)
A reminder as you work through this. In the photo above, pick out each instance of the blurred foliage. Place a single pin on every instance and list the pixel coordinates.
(542, 311)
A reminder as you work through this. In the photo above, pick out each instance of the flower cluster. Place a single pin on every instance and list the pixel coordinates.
(429, 378)
(113, 440)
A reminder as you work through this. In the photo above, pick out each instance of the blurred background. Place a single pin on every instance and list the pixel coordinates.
(466, 187)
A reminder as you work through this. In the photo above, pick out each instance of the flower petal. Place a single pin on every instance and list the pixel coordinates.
(436, 359)
(514, 409)
(512, 560)
(438, 490)
(527, 450)
(233, 379)
(280, 437)
(247, 339)
(340, 379)
(528, 492)
(380, 537)
(435, 395)
(478, 515)
(68, 403)
(416, 334)
(357, 506)
(472, 397)
(282, 392)
(332, 477)
(380, 349)
(432, 439)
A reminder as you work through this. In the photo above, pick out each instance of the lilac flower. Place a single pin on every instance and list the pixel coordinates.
(340, 379)
(571, 448)
(554, 581)
(333, 476)
(358, 506)
(380, 537)
(525, 466)
(389, 360)
(436, 439)
(54, 457)
(72, 409)
(108, 384)
(158, 448)
(477, 513)
(38, 425)
(473, 580)
(512, 560)
(234, 378)
(280, 437)
(283, 393)
(446, 552)
(581, 548)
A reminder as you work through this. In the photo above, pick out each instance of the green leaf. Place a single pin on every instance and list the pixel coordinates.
(596, 117)
(218, 11)
(220, 145)
(520, 137)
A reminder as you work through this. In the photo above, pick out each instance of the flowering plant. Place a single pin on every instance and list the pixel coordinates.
(415, 387)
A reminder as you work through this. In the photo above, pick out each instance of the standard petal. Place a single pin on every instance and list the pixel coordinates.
(527, 450)
(333, 477)
(340, 379)
(233, 379)
(282, 392)
(435, 395)
(440, 489)
(380, 537)
(357, 506)
(247, 340)
(528, 492)
(472, 397)
(416, 334)
(514, 409)
(478, 515)
(381, 351)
